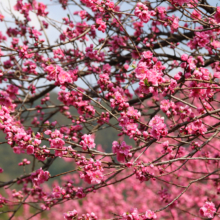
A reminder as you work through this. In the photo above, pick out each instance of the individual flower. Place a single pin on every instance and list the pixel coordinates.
(149, 215)
(208, 210)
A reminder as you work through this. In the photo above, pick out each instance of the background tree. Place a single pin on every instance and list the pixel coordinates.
(123, 92)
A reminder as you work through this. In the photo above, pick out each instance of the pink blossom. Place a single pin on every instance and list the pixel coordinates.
(70, 215)
(175, 24)
(158, 127)
(96, 176)
(40, 176)
(30, 149)
(2, 17)
(141, 70)
(149, 215)
(132, 215)
(58, 53)
(57, 143)
(215, 44)
(142, 12)
(122, 150)
(196, 15)
(64, 77)
(208, 210)
(52, 72)
(217, 15)
(147, 54)
(87, 142)
(217, 74)
(184, 57)
(101, 24)
(181, 2)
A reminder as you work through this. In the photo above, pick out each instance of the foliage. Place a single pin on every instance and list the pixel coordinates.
(116, 119)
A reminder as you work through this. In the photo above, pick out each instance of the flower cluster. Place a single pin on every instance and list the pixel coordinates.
(124, 98)
(74, 215)
(87, 142)
(38, 177)
(76, 99)
(101, 24)
(92, 171)
(122, 150)
(134, 215)
(149, 73)
(158, 127)
(142, 12)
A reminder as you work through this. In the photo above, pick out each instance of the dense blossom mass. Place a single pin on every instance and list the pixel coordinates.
(145, 75)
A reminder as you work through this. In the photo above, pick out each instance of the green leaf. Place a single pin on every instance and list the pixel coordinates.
(146, 83)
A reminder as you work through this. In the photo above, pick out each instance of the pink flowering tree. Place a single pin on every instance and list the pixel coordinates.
(146, 74)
